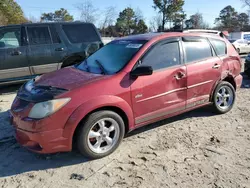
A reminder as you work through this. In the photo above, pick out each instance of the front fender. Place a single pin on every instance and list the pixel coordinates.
(93, 104)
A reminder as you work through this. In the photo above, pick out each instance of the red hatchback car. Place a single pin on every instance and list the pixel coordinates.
(130, 82)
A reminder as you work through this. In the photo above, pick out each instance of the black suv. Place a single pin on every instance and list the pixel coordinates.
(28, 50)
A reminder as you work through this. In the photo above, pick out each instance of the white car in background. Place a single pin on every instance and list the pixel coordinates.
(242, 46)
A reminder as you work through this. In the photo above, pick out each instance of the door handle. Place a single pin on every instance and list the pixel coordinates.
(14, 53)
(216, 66)
(59, 49)
(179, 75)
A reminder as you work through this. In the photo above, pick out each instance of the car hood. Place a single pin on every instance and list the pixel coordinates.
(67, 78)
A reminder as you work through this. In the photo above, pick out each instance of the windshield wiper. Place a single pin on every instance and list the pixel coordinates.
(86, 64)
(101, 67)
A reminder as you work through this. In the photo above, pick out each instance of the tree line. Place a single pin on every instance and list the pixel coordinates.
(169, 16)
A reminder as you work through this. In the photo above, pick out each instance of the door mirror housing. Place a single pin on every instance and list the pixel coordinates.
(142, 71)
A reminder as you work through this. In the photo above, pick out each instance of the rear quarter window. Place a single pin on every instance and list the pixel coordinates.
(197, 49)
(79, 33)
(220, 47)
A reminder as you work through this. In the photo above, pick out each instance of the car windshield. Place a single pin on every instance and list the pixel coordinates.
(111, 58)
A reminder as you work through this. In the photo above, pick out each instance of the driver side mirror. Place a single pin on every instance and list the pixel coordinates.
(142, 71)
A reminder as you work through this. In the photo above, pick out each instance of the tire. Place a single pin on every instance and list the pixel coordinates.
(223, 97)
(92, 134)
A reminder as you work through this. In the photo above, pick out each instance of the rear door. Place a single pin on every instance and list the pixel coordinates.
(59, 48)
(13, 54)
(203, 70)
(164, 92)
(40, 50)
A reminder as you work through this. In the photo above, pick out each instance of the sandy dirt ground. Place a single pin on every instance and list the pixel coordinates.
(196, 149)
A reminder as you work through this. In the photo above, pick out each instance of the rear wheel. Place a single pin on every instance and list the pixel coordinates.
(224, 97)
(101, 134)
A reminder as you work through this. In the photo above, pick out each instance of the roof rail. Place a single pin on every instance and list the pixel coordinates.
(223, 34)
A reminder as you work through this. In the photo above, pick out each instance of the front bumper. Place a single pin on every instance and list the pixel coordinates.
(44, 142)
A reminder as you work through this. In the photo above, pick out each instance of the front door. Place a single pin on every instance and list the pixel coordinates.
(163, 93)
(203, 70)
(40, 50)
(13, 55)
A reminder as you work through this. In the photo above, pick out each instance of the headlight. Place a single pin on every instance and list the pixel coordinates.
(44, 109)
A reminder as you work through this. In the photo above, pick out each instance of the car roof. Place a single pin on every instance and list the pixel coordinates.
(152, 36)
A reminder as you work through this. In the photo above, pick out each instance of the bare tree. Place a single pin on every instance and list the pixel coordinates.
(246, 2)
(139, 14)
(33, 19)
(88, 13)
(110, 14)
(155, 23)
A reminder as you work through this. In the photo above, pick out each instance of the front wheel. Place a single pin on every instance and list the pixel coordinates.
(224, 97)
(100, 134)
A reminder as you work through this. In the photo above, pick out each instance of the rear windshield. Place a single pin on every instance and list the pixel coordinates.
(113, 57)
(79, 33)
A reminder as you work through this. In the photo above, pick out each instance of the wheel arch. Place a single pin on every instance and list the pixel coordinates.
(227, 78)
(116, 105)
(115, 109)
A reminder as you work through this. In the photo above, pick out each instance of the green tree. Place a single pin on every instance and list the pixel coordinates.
(11, 13)
(126, 21)
(140, 27)
(57, 16)
(167, 8)
(178, 19)
(228, 19)
(243, 21)
(196, 22)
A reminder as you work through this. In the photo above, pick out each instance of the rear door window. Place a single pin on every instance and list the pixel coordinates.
(79, 33)
(54, 35)
(196, 49)
(38, 35)
(219, 46)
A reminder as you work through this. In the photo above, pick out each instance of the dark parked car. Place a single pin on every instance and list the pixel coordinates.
(28, 50)
(129, 83)
(247, 65)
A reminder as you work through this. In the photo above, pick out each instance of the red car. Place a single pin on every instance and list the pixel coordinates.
(129, 83)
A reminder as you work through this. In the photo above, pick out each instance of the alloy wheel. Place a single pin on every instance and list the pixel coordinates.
(224, 97)
(103, 135)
